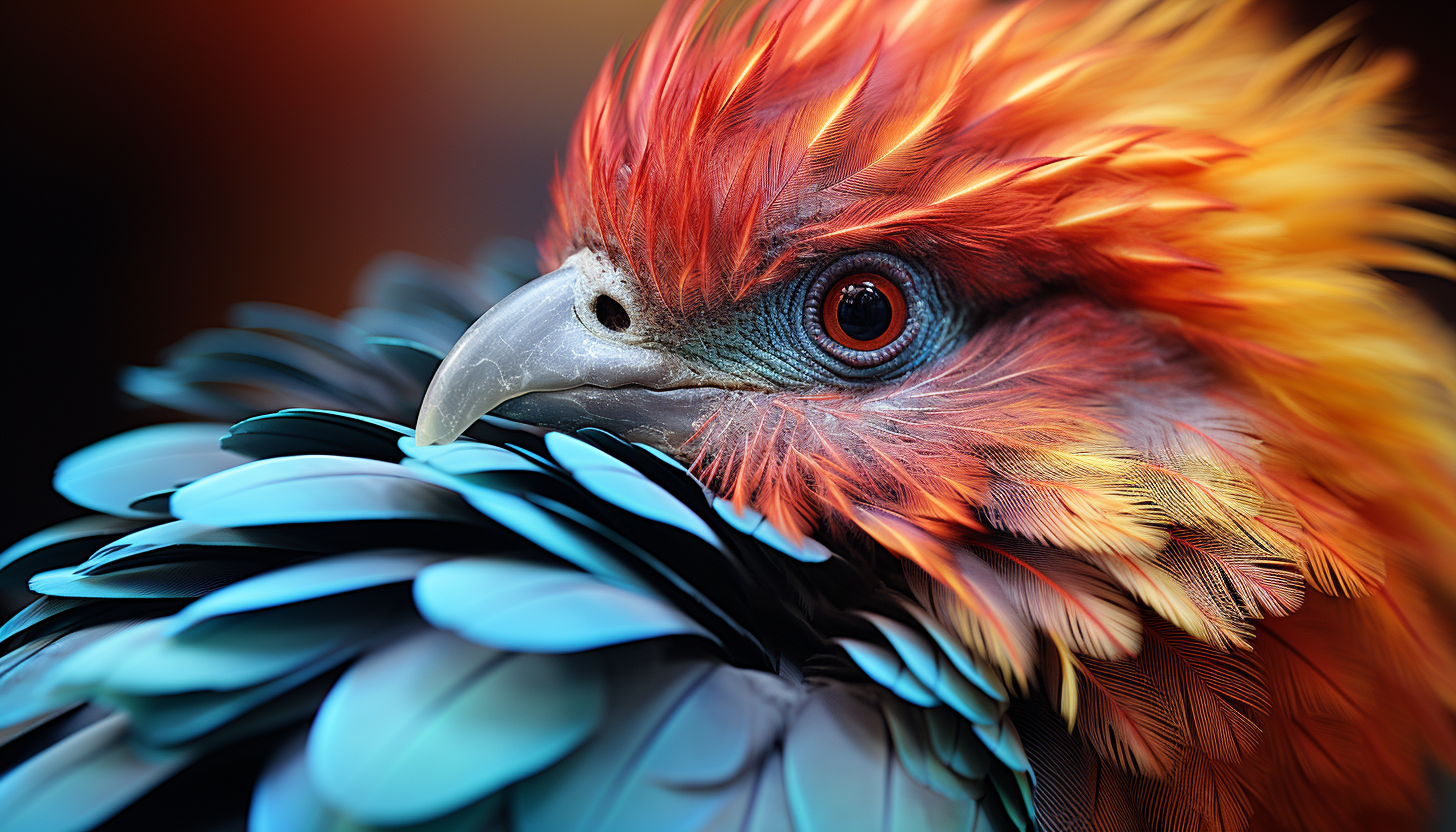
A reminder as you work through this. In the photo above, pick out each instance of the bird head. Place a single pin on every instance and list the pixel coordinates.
(1077, 291)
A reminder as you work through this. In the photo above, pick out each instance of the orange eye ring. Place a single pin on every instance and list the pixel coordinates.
(859, 304)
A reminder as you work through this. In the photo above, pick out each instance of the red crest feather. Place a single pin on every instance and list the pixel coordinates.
(1224, 467)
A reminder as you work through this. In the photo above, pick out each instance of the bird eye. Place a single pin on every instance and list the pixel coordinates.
(864, 311)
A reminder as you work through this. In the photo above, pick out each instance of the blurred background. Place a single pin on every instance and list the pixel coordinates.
(172, 157)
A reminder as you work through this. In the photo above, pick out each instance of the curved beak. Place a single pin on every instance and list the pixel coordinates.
(531, 359)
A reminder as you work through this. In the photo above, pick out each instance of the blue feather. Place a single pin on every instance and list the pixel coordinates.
(513, 605)
(464, 457)
(807, 549)
(955, 743)
(435, 723)
(273, 384)
(976, 671)
(842, 775)
(301, 325)
(334, 339)
(83, 779)
(298, 431)
(745, 520)
(229, 654)
(623, 486)
(672, 581)
(768, 802)
(1005, 743)
(1014, 791)
(174, 719)
(285, 801)
(937, 672)
(65, 543)
(835, 758)
(886, 668)
(914, 808)
(334, 373)
(437, 333)
(163, 580)
(916, 753)
(316, 489)
(111, 474)
(180, 539)
(664, 458)
(36, 618)
(26, 673)
(681, 750)
(417, 362)
(155, 502)
(165, 386)
(750, 522)
(304, 582)
(553, 533)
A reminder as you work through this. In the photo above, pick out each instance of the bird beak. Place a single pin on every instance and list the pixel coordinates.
(530, 358)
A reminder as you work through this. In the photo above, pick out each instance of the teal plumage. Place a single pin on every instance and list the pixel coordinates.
(331, 628)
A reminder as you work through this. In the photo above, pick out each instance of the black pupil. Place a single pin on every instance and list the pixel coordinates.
(864, 311)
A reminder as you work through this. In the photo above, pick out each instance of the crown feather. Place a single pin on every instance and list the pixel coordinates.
(1224, 465)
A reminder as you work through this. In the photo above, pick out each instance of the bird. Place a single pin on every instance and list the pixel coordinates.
(944, 415)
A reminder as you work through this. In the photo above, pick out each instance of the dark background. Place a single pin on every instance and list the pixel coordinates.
(169, 158)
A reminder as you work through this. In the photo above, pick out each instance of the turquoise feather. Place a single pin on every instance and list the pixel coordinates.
(434, 723)
(523, 631)
(531, 607)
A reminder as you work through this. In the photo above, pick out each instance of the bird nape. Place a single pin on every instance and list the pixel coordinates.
(936, 416)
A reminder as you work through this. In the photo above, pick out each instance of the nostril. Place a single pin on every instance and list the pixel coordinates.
(611, 314)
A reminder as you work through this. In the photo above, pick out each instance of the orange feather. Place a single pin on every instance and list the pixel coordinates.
(1194, 474)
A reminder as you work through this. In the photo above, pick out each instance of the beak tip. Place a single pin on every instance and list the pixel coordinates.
(428, 430)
